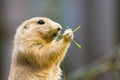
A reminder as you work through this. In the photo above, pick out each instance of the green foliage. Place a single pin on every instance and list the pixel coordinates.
(74, 30)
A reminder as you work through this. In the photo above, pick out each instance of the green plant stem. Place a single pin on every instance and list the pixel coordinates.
(77, 28)
(78, 45)
(74, 30)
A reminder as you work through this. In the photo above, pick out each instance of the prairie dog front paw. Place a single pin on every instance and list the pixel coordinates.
(68, 35)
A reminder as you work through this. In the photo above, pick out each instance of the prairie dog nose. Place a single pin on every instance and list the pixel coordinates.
(56, 26)
(59, 29)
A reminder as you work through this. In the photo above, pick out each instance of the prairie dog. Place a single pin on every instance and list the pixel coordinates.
(36, 55)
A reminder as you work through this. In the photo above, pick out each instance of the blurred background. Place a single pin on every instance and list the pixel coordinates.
(99, 34)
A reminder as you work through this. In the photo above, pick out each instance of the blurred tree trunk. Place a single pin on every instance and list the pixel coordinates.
(118, 21)
(99, 30)
(2, 36)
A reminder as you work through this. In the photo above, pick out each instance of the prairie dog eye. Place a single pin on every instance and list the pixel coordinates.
(41, 22)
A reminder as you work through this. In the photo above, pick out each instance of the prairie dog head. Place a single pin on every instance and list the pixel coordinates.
(37, 29)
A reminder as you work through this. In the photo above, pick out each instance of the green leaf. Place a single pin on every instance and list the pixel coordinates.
(77, 44)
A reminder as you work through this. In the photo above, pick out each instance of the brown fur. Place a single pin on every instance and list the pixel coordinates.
(36, 54)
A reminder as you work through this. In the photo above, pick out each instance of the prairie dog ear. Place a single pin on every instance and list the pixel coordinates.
(26, 27)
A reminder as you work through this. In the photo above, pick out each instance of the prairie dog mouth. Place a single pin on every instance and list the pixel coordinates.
(55, 34)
